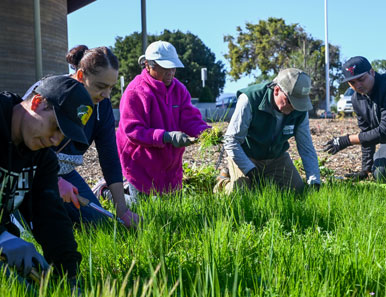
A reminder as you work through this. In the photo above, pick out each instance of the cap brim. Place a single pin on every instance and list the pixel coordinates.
(70, 129)
(170, 63)
(302, 104)
(352, 77)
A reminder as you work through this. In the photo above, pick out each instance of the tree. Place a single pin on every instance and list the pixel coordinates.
(192, 52)
(205, 95)
(273, 45)
(379, 66)
(266, 46)
(127, 50)
(311, 59)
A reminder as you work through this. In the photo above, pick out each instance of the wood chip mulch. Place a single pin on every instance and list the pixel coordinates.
(322, 130)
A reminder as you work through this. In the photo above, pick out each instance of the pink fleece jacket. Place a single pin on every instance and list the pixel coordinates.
(148, 108)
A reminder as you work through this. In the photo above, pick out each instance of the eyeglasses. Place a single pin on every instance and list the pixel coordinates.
(286, 97)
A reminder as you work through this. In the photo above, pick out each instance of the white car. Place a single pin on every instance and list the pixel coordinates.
(344, 104)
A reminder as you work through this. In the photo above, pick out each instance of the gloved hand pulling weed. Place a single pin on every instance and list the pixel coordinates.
(337, 144)
(177, 139)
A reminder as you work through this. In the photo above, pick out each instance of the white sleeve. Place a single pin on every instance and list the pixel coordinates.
(307, 152)
(237, 132)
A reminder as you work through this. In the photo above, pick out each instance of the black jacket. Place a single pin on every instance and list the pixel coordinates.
(371, 115)
(29, 182)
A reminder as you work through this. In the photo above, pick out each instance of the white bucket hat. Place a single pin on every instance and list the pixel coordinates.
(163, 53)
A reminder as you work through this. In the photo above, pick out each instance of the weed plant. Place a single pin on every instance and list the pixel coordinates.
(252, 243)
(210, 137)
(325, 172)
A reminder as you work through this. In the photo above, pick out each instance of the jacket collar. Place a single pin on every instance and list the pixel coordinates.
(265, 104)
(156, 85)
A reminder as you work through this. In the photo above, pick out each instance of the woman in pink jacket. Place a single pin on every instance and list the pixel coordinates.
(156, 121)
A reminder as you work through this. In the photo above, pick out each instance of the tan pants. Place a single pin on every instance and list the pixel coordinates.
(281, 171)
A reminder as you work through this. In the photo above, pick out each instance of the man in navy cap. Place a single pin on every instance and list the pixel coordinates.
(369, 103)
(59, 107)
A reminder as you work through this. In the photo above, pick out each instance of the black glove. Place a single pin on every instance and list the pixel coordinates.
(337, 144)
(253, 175)
(361, 175)
(177, 139)
(22, 255)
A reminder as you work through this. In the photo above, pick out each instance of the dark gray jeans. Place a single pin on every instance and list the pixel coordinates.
(379, 165)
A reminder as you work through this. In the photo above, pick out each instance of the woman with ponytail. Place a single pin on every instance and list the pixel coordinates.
(97, 69)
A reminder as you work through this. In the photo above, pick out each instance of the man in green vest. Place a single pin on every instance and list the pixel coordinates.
(256, 141)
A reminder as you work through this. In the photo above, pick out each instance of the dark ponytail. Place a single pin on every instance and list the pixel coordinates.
(75, 55)
(90, 60)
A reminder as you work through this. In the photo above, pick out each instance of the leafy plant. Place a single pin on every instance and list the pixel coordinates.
(340, 115)
(198, 178)
(210, 137)
(324, 170)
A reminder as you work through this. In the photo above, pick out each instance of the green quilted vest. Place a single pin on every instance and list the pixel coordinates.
(261, 143)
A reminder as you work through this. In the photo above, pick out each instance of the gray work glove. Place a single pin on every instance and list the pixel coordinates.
(177, 139)
(22, 255)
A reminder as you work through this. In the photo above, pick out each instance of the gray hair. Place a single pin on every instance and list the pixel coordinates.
(152, 63)
(142, 60)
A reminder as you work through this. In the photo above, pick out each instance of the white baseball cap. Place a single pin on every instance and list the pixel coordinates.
(163, 53)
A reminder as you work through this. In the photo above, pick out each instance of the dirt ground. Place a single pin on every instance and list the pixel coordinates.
(322, 130)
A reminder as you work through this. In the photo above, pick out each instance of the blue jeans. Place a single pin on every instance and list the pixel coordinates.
(85, 214)
(379, 167)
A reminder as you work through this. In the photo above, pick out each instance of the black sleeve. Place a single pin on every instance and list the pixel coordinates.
(368, 149)
(2, 229)
(369, 136)
(52, 227)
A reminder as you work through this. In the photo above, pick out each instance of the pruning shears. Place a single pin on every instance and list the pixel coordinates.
(85, 202)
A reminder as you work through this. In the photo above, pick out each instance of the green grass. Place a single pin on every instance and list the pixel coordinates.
(195, 243)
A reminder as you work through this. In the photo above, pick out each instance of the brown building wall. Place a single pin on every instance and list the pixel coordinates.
(17, 45)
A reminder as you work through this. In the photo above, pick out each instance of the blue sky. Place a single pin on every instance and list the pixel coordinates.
(357, 27)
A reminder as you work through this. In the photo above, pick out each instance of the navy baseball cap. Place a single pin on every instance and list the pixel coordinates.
(71, 102)
(355, 67)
